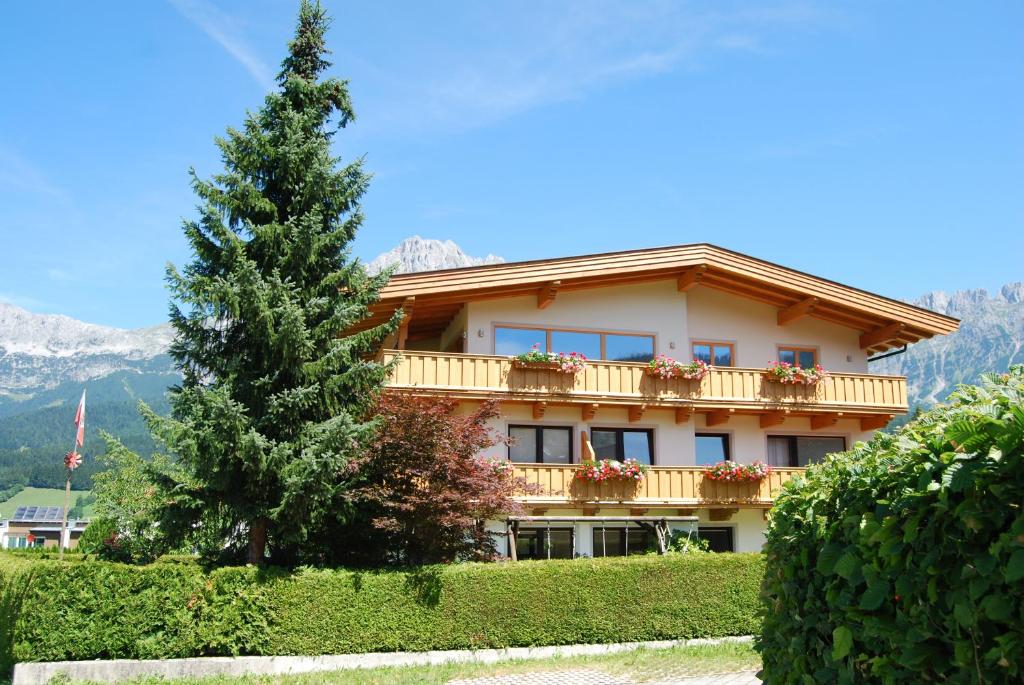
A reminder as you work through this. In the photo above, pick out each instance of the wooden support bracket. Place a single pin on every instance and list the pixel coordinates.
(722, 514)
(690, 277)
(587, 411)
(819, 421)
(881, 335)
(638, 511)
(774, 418)
(547, 294)
(538, 410)
(686, 512)
(796, 311)
(636, 412)
(718, 418)
(683, 414)
(591, 511)
(870, 423)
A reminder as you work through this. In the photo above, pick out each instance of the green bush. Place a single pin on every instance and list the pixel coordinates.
(86, 609)
(902, 561)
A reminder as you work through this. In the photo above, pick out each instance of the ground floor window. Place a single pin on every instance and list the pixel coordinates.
(544, 543)
(617, 542)
(719, 538)
(623, 443)
(801, 450)
(19, 542)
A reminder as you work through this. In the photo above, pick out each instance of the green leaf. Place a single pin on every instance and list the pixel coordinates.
(842, 642)
(1015, 569)
(848, 565)
(874, 596)
(828, 557)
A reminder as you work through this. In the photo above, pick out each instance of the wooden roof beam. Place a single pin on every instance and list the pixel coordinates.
(636, 412)
(683, 414)
(690, 277)
(774, 418)
(403, 328)
(587, 411)
(547, 294)
(796, 311)
(883, 334)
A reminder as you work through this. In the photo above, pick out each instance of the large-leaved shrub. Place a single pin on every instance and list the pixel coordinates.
(902, 561)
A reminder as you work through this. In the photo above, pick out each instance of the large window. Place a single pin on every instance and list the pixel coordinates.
(623, 443)
(617, 542)
(720, 538)
(804, 357)
(544, 543)
(712, 448)
(623, 347)
(801, 450)
(714, 353)
(540, 444)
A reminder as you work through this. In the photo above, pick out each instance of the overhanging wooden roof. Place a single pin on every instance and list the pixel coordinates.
(883, 322)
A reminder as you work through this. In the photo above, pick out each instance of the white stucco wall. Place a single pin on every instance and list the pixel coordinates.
(752, 327)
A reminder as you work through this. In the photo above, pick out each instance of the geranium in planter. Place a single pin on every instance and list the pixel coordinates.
(571, 363)
(731, 472)
(611, 470)
(666, 367)
(791, 374)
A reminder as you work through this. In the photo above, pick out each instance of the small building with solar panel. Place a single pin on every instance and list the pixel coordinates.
(33, 526)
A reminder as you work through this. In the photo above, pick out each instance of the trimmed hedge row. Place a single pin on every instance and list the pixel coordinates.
(89, 610)
(902, 561)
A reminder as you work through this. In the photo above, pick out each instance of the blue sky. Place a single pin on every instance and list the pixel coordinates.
(877, 144)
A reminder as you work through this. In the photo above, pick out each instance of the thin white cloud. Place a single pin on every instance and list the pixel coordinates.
(225, 31)
(556, 52)
(19, 174)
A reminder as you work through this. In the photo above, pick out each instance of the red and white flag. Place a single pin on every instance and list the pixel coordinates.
(80, 421)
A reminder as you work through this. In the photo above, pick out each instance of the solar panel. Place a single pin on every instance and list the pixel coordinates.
(39, 514)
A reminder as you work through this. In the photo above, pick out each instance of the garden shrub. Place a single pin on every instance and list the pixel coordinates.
(87, 609)
(902, 561)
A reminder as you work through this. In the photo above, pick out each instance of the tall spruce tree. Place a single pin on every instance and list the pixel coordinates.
(273, 402)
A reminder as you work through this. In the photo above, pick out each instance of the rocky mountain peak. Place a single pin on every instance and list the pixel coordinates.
(425, 254)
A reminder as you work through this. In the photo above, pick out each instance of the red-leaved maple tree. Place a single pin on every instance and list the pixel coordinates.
(425, 494)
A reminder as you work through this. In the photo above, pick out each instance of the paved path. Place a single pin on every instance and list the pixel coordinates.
(593, 677)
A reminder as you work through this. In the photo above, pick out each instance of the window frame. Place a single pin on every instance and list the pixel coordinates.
(620, 443)
(620, 531)
(731, 530)
(792, 438)
(539, 452)
(600, 332)
(713, 344)
(713, 434)
(796, 350)
(542, 532)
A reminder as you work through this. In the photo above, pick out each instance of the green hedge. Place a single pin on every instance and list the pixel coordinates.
(91, 609)
(902, 561)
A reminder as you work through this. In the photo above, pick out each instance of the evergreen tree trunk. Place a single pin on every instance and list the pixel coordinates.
(257, 549)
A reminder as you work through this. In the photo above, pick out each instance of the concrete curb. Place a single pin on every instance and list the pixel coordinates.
(39, 673)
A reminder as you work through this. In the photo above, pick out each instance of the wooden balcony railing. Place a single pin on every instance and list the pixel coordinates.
(623, 383)
(677, 486)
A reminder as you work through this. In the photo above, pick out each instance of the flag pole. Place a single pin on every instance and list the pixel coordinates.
(71, 460)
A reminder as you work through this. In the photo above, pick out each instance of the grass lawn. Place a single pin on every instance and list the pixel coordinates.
(43, 497)
(641, 666)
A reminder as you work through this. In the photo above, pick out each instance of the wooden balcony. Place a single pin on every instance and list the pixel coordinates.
(622, 383)
(675, 486)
